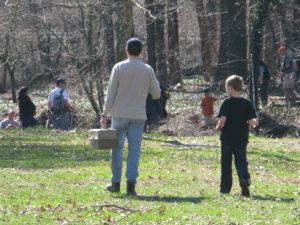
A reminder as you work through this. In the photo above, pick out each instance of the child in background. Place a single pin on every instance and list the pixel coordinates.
(236, 114)
(207, 105)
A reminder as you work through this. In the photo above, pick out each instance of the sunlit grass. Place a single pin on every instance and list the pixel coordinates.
(54, 178)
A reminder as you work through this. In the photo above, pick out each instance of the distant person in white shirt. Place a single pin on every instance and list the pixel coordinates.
(59, 106)
(9, 123)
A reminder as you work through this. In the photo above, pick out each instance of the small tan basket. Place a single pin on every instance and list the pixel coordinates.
(104, 138)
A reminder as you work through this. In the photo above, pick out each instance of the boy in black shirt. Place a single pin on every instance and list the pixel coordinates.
(236, 114)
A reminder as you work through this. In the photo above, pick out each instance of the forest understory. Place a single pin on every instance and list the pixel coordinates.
(184, 112)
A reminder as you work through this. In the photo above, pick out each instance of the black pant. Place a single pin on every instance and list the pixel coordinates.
(241, 164)
(264, 92)
(28, 121)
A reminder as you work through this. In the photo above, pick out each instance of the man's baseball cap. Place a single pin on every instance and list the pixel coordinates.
(134, 46)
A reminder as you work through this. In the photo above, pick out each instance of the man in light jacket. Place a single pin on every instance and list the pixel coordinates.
(130, 83)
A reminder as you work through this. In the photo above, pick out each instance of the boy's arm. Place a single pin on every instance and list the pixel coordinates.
(221, 123)
(253, 122)
(260, 77)
(202, 105)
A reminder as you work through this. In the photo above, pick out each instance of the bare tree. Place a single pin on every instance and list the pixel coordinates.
(108, 32)
(258, 18)
(160, 42)
(173, 43)
(205, 41)
(151, 37)
(124, 27)
(233, 41)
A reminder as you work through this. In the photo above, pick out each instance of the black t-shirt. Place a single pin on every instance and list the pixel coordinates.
(237, 111)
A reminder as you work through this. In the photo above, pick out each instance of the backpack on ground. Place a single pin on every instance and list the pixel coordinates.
(59, 105)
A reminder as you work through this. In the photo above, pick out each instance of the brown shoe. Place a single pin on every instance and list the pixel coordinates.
(114, 187)
(245, 188)
(131, 189)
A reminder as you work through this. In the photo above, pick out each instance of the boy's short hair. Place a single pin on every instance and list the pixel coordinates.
(235, 81)
(206, 90)
(60, 81)
(134, 46)
(11, 111)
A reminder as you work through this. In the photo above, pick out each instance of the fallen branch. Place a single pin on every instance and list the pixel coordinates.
(114, 206)
(218, 196)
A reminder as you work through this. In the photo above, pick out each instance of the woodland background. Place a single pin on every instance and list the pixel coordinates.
(81, 40)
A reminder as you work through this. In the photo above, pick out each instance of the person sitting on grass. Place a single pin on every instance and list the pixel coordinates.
(9, 123)
(207, 105)
(236, 114)
(27, 109)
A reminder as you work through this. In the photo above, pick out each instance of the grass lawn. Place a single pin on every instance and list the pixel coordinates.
(56, 178)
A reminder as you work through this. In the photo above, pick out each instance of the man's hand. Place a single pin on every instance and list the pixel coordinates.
(103, 122)
(11, 126)
(253, 122)
(221, 123)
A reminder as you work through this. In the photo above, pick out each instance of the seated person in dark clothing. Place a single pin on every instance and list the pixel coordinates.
(26, 108)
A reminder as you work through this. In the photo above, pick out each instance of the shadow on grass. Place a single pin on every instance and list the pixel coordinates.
(156, 198)
(179, 144)
(40, 148)
(272, 198)
(49, 156)
(273, 155)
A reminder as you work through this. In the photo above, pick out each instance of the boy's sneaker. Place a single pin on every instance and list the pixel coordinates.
(245, 188)
(224, 191)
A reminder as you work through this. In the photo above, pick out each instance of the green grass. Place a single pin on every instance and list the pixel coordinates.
(56, 178)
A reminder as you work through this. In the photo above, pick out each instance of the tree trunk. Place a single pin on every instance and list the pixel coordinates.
(3, 81)
(43, 42)
(124, 27)
(173, 43)
(108, 32)
(256, 33)
(150, 23)
(11, 72)
(4, 76)
(205, 41)
(213, 21)
(296, 29)
(160, 42)
(286, 11)
(232, 57)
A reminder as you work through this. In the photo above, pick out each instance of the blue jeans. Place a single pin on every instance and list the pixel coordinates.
(61, 121)
(133, 128)
(241, 164)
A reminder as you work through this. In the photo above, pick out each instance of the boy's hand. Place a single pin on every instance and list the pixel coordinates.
(221, 123)
(253, 122)
(219, 128)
